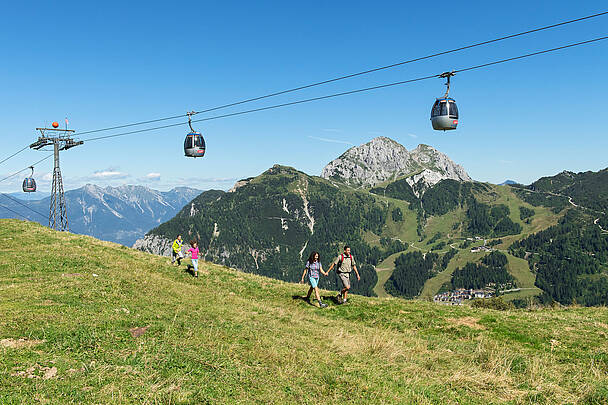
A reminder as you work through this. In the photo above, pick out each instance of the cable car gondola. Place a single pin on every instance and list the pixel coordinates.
(194, 144)
(444, 114)
(29, 184)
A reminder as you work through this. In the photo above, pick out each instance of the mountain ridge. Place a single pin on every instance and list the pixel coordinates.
(384, 159)
(119, 214)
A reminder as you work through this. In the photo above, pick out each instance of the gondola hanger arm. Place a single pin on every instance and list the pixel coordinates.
(447, 75)
(190, 114)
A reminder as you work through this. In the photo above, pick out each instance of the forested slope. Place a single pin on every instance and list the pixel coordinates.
(270, 225)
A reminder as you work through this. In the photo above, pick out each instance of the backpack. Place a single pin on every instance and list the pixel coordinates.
(340, 262)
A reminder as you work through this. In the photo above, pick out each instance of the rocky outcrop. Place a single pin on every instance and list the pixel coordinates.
(435, 161)
(383, 159)
(239, 184)
(154, 244)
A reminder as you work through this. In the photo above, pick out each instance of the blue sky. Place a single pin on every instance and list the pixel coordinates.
(111, 63)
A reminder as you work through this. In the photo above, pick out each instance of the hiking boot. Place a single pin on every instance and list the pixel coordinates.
(322, 304)
(344, 300)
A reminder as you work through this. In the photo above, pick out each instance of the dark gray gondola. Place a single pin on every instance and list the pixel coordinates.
(444, 114)
(194, 144)
(29, 184)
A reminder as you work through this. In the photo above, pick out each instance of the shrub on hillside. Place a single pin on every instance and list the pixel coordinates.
(525, 213)
(496, 303)
(397, 215)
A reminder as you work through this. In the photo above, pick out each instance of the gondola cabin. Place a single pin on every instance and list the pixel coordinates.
(444, 114)
(29, 185)
(194, 145)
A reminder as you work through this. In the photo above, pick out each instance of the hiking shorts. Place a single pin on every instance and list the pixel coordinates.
(345, 278)
(314, 282)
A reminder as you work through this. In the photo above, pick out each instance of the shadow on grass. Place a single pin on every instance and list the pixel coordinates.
(190, 269)
(299, 297)
(332, 298)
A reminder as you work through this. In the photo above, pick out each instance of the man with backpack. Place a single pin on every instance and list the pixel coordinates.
(345, 263)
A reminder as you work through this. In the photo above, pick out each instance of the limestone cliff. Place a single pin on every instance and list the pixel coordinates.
(383, 159)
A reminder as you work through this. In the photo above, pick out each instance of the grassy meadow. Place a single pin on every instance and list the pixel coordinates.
(451, 234)
(85, 321)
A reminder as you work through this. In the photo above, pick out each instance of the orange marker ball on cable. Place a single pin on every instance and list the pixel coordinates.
(55, 124)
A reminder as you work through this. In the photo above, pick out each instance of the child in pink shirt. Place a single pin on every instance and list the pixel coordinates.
(193, 251)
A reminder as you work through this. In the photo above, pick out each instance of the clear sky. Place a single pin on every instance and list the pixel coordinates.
(109, 63)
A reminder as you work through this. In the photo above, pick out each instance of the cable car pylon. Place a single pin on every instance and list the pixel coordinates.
(61, 139)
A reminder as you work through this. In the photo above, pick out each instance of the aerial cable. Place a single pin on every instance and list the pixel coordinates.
(354, 91)
(530, 54)
(308, 100)
(27, 168)
(352, 74)
(14, 212)
(14, 154)
(24, 205)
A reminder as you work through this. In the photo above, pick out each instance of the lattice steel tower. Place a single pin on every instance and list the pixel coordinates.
(61, 140)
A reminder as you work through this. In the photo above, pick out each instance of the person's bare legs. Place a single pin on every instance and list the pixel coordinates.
(317, 294)
(344, 292)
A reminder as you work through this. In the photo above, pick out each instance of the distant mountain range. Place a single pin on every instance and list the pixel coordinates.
(117, 214)
(30, 196)
(508, 183)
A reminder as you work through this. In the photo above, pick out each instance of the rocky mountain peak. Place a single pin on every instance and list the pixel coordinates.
(383, 159)
(433, 160)
(91, 188)
(371, 163)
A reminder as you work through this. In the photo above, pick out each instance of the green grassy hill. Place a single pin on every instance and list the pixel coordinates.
(69, 306)
(449, 227)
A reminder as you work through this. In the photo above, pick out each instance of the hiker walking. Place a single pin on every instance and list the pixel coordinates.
(193, 252)
(176, 250)
(345, 263)
(313, 267)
